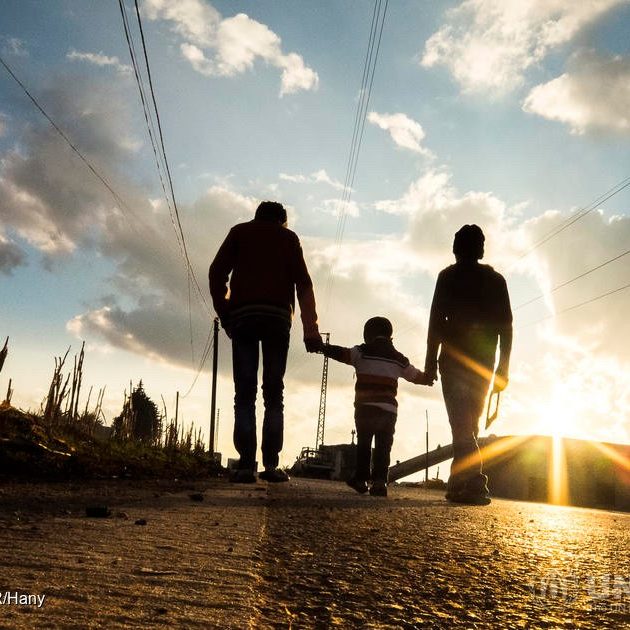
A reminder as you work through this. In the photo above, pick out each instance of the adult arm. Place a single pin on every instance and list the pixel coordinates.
(434, 335)
(219, 275)
(306, 298)
(505, 337)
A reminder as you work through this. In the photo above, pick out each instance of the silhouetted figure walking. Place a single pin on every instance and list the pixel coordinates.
(378, 367)
(268, 269)
(470, 313)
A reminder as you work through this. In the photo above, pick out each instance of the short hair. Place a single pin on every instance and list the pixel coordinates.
(377, 327)
(271, 211)
(468, 242)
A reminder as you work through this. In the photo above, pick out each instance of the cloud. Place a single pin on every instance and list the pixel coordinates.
(11, 255)
(488, 45)
(405, 132)
(217, 46)
(333, 206)
(3, 124)
(46, 193)
(317, 177)
(99, 59)
(593, 96)
(14, 46)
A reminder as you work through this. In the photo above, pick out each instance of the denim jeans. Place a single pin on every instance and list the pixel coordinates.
(373, 422)
(251, 333)
(464, 394)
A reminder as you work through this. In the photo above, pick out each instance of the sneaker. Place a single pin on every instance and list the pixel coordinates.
(242, 475)
(378, 489)
(358, 485)
(273, 475)
(469, 498)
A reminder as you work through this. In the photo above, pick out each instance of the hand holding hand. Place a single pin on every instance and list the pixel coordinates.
(424, 379)
(314, 344)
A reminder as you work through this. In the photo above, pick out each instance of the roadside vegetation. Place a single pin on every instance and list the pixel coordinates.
(66, 438)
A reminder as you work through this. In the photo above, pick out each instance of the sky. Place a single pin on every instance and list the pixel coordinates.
(513, 115)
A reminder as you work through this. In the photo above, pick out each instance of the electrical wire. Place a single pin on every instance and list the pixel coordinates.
(582, 212)
(566, 283)
(575, 306)
(209, 346)
(168, 171)
(367, 81)
(120, 202)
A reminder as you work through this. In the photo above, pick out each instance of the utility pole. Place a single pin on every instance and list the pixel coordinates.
(321, 420)
(426, 470)
(213, 402)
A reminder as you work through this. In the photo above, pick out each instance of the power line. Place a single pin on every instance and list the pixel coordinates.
(582, 212)
(564, 284)
(204, 357)
(367, 81)
(168, 171)
(121, 203)
(572, 308)
(69, 142)
(160, 156)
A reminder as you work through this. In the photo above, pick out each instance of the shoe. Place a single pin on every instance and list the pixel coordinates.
(243, 475)
(358, 485)
(274, 475)
(378, 489)
(468, 498)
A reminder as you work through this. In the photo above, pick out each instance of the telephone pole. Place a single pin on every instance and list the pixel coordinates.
(213, 403)
(426, 470)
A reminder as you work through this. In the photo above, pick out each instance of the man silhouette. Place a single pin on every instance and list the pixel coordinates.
(256, 308)
(470, 314)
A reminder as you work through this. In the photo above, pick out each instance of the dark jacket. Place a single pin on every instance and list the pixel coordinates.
(470, 312)
(268, 268)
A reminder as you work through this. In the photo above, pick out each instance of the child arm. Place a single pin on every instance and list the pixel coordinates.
(338, 353)
(416, 376)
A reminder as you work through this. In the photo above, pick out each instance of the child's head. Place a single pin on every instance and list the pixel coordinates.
(377, 327)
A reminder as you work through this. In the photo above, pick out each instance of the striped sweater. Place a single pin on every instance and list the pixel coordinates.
(378, 367)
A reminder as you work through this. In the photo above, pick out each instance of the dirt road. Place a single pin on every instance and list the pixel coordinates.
(308, 554)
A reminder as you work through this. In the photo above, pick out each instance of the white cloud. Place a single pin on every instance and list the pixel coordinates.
(3, 124)
(333, 206)
(14, 46)
(217, 46)
(99, 59)
(405, 132)
(194, 20)
(317, 177)
(488, 45)
(594, 95)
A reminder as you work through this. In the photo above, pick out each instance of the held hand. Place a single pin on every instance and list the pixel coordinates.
(314, 344)
(424, 379)
(431, 375)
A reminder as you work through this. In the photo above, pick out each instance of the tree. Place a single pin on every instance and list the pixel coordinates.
(139, 419)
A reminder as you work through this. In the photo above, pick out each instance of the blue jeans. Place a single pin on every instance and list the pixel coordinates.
(272, 334)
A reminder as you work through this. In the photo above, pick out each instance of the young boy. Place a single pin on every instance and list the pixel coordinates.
(378, 366)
